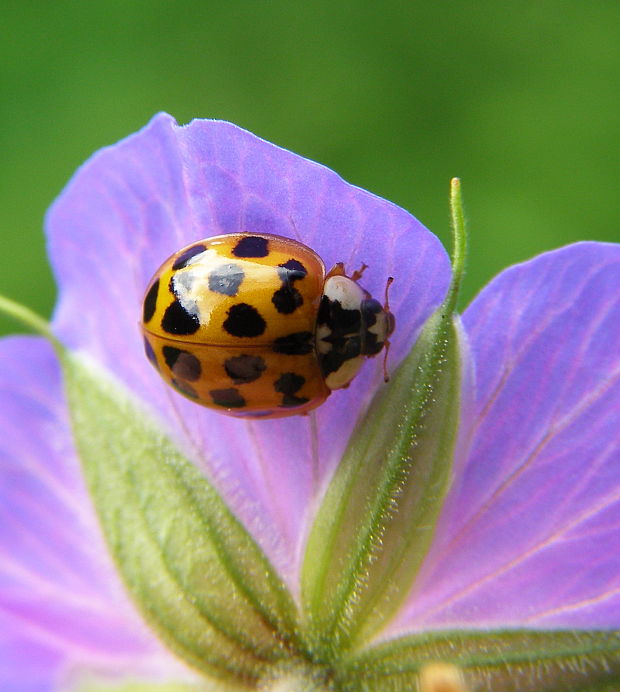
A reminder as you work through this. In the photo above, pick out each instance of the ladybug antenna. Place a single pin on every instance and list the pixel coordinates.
(357, 274)
(388, 283)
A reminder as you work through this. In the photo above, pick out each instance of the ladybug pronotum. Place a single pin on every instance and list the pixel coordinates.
(250, 324)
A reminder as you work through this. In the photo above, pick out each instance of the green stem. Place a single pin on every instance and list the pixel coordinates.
(28, 318)
(459, 243)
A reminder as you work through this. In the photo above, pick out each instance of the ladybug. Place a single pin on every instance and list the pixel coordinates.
(251, 325)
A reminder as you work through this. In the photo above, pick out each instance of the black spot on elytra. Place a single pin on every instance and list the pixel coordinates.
(287, 298)
(243, 369)
(184, 365)
(288, 384)
(288, 401)
(251, 246)
(150, 354)
(228, 398)
(185, 388)
(294, 269)
(226, 279)
(296, 344)
(177, 320)
(182, 260)
(244, 320)
(150, 303)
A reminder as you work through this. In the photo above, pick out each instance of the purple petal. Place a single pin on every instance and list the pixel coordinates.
(531, 529)
(62, 606)
(26, 665)
(134, 204)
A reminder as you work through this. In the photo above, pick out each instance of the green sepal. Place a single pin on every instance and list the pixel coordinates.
(378, 516)
(377, 519)
(491, 661)
(195, 573)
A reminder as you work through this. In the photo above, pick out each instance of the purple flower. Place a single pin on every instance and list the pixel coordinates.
(496, 552)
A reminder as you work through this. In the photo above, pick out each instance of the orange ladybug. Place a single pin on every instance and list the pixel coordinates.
(251, 325)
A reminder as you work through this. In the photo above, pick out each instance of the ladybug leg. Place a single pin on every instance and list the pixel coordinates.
(388, 283)
(357, 274)
(336, 270)
(339, 270)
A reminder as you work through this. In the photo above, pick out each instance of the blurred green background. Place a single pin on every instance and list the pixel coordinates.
(522, 100)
